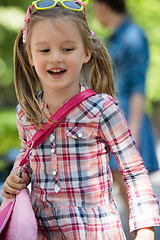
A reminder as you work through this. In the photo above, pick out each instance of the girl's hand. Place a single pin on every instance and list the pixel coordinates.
(14, 184)
(145, 234)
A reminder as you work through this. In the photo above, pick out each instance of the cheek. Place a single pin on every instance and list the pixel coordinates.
(38, 62)
(39, 67)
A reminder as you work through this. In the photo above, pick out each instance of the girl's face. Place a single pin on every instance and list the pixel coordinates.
(57, 53)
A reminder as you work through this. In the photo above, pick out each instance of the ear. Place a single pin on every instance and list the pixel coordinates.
(30, 58)
(87, 55)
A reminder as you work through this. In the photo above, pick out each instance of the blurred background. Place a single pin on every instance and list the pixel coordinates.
(145, 13)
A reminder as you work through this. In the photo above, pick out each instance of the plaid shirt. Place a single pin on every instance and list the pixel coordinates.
(71, 178)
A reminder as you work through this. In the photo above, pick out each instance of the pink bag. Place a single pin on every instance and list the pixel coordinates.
(22, 223)
(17, 219)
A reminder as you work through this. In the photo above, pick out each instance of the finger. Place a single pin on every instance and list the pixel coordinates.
(16, 179)
(6, 195)
(25, 178)
(15, 185)
(9, 190)
(13, 178)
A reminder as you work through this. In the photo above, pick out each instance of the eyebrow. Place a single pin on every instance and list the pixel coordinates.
(68, 41)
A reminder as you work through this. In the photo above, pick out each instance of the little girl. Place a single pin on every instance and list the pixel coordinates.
(69, 172)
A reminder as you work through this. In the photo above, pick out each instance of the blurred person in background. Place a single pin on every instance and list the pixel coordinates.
(128, 48)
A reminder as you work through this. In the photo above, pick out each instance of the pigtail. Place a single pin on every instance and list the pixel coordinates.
(101, 75)
(26, 82)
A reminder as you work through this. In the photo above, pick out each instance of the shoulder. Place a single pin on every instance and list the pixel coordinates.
(133, 36)
(97, 101)
(101, 98)
(97, 109)
(25, 127)
(100, 102)
(92, 108)
(20, 113)
(104, 98)
(110, 118)
(22, 119)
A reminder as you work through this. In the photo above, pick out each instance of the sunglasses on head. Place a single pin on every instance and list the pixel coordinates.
(70, 4)
(42, 5)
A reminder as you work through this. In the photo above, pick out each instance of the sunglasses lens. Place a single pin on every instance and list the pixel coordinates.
(72, 5)
(45, 4)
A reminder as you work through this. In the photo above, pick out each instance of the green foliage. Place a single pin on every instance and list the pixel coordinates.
(8, 131)
(11, 20)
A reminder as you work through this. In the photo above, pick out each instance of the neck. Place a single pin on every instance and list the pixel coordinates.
(55, 99)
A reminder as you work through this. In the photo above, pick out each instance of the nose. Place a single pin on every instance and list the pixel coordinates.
(56, 56)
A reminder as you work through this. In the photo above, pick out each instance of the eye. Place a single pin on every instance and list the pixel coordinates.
(67, 49)
(44, 50)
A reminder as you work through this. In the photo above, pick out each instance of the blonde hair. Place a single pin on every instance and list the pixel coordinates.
(97, 73)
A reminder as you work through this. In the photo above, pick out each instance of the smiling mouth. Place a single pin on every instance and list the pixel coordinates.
(56, 72)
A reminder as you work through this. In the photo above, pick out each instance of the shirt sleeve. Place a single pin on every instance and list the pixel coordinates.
(26, 168)
(144, 206)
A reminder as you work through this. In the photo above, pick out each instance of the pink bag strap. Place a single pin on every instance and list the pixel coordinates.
(48, 127)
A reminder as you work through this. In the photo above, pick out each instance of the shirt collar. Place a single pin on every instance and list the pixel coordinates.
(43, 105)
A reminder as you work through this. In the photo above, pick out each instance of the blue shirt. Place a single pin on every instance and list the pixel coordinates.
(128, 48)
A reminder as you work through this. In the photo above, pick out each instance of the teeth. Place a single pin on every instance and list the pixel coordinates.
(55, 71)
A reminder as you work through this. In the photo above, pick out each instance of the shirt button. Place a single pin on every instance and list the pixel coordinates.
(52, 150)
(80, 135)
(57, 188)
(54, 173)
